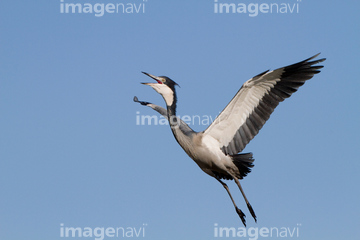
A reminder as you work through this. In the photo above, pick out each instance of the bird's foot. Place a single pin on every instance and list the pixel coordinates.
(251, 211)
(241, 215)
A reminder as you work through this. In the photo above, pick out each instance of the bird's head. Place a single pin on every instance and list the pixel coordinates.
(164, 86)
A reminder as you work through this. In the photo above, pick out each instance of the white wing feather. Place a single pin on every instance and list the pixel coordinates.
(251, 107)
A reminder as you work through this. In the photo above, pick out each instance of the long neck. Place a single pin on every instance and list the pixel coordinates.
(171, 112)
(182, 132)
(174, 121)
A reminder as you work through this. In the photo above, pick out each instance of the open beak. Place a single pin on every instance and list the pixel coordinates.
(157, 79)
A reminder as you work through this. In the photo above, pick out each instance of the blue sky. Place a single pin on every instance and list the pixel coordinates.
(72, 154)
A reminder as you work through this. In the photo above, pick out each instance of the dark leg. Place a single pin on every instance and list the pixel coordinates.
(239, 212)
(242, 192)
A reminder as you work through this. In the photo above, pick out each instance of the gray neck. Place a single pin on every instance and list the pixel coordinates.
(174, 122)
(182, 132)
(171, 112)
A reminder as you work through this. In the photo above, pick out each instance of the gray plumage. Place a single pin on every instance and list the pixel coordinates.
(217, 149)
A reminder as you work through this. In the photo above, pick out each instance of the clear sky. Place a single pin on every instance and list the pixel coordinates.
(72, 154)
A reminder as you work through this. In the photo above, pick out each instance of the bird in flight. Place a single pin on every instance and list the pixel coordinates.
(217, 150)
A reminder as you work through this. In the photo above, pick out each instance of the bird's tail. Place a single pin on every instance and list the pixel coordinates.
(244, 162)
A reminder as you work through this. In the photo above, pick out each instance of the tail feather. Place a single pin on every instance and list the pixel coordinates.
(244, 162)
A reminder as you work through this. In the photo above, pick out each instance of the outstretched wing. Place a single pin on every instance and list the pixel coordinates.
(182, 125)
(251, 107)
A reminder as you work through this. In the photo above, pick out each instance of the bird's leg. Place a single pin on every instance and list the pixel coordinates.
(238, 211)
(242, 192)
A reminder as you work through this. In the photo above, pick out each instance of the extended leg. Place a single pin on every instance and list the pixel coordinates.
(242, 192)
(239, 212)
